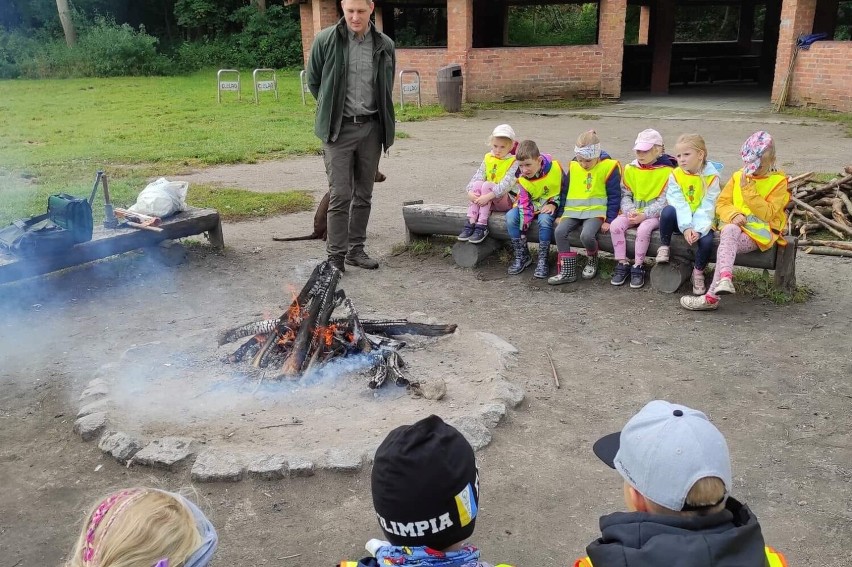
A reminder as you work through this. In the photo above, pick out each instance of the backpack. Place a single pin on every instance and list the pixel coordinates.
(72, 214)
(35, 237)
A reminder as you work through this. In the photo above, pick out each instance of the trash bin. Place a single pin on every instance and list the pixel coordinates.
(450, 82)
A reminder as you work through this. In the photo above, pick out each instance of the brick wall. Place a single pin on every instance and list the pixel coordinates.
(527, 73)
(427, 62)
(797, 17)
(822, 77)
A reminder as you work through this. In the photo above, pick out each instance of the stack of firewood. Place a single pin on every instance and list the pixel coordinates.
(825, 207)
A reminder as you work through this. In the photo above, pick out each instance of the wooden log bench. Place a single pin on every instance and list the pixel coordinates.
(110, 241)
(422, 220)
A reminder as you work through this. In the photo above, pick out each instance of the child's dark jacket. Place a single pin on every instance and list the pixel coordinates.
(730, 538)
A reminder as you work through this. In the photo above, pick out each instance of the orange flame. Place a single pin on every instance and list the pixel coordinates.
(325, 335)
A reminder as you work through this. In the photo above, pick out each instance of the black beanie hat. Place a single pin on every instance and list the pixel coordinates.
(425, 485)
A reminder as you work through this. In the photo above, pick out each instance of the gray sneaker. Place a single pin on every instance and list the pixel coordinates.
(359, 258)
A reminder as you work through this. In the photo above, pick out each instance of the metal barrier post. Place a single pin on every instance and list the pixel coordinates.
(303, 81)
(264, 85)
(409, 88)
(222, 85)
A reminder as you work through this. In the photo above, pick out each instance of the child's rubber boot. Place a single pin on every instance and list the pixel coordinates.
(541, 267)
(567, 265)
(522, 256)
(591, 269)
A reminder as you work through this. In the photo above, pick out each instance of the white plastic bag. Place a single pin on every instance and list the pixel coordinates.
(162, 198)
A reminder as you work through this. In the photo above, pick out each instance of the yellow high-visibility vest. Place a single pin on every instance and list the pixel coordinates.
(646, 184)
(587, 189)
(496, 168)
(757, 228)
(693, 186)
(773, 558)
(545, 188)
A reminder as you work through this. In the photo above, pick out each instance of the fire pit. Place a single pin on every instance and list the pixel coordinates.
(292, 395)
(306, 336)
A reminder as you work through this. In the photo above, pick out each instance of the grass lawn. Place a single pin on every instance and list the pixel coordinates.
(58, 133)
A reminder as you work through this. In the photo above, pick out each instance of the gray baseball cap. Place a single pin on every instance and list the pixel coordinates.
(664, 450)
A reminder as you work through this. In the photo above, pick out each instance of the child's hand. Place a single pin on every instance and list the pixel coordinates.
(690, 236)
(548, 209)
(604, 228)
(739, 219)
(484, 199)
(472, 197)
(635, 218)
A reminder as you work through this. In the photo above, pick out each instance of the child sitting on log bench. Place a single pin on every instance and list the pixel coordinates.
(541, 195)
(492, 185)
(594, 192)
(642, 199)
(691, 205)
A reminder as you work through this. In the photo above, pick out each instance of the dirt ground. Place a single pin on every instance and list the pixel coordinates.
(775, 379)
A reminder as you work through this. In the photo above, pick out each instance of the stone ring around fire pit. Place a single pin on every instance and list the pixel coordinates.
(169, 405)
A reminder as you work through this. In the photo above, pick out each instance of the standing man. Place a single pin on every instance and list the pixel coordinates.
(351, 73)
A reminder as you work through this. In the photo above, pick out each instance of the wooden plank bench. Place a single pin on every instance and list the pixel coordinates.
(425, 220)
(110, 241)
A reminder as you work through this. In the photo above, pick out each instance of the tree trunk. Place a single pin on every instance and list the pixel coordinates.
(67, 22)
(261, 6)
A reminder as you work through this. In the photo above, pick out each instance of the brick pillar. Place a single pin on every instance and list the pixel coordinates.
(325, 13)
(460, 35)
(611, 40)
(306, 19)
(644, 24)
(797, 18)
(662, 37)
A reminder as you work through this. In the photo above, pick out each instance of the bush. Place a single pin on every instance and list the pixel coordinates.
(272, 39)
(104, 49)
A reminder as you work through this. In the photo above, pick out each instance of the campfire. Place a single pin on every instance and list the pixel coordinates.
(307, 336)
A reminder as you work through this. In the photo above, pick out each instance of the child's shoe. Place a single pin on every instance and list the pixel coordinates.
(480, 231)
(725, 287)
(698, 303)
(541, 267)
(591, 268)
(663, 255)
(621, 273)
(566, 264)
(466, 233)
(698, 285)
(637, 277)
(522, 259)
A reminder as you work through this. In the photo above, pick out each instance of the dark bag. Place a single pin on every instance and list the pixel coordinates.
(73, 214)
(36, 237)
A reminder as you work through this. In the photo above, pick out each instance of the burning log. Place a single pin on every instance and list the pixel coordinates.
(306, 336)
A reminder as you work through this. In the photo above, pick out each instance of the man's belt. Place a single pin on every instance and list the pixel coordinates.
(359, 119)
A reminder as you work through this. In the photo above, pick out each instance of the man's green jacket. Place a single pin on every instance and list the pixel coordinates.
(327, 74)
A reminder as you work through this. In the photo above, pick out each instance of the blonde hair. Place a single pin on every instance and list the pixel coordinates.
(695, 142)
(707, 493)
(527, 149)
(587, 138)
(136, 527)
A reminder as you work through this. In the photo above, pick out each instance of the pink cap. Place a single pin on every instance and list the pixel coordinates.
(647, 139)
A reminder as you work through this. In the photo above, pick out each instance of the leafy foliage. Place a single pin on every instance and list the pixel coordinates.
(553, 24)
(105, 49)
